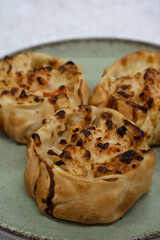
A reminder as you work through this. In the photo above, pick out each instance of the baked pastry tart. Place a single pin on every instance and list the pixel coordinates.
(32, 87)
(88, 165)
(131, 85)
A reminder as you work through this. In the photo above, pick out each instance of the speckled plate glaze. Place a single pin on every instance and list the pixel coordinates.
(19, 214)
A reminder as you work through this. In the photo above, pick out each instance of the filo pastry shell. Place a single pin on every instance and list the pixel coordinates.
(88, 165)
(32, 87)
(131, 85)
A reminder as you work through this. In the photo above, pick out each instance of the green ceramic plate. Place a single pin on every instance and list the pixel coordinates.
(19, 213)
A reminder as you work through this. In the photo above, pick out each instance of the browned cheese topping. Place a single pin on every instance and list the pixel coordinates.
(141, 91)
(24, 79)
(94, 145)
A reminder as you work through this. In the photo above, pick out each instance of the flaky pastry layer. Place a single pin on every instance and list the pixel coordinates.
(32, 87)
(88, 165)
(131, 85)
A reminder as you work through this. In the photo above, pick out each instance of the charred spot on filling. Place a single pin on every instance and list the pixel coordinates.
(79, 142)
(51, 152)
(23, 94)
(70, 63)
(14, 91)
(75, 130)
(7, 58)
(129, 155)
(124, 94)
(91, 128)
(103, 145)
(137, 130)
(24, 86)
(3, 81)
(36, 138)
(87, 119)
(133, 165)
(125, 87)
(61, 87)
(74, 137)
(44, 121)
(141, 95)
(87, 155)
(113, 149)
(42, 68)
(151, 80)
(109, 124)
(85, 108)
(40, 80)
(150, 102)
(88, 109)
(59, 163)
(19, 74)
(53, 99)
(36, 99)
(137, 106)
(99, 138)
(85, 132)
(48, 68)
(63, 141)
(106, 115)
(121, 130)
(5, 92)
(146, 88)
(103, 169)
(60, 114)
(65, 154)
(146, 150)
(118, 172)
(35, 69)
(81, 107)
(145, 75)
(87, 114)
(63, 68)
(145, 94)
(10, 68)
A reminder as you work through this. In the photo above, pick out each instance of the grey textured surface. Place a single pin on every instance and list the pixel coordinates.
(27, 23)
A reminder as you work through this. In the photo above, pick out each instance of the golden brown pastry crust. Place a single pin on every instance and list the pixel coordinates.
(131, 85)
(33, 86)
(88, 165)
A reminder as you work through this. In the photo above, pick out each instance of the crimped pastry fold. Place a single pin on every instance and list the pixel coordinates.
(32, 87)
(131, 85)
(88, 165)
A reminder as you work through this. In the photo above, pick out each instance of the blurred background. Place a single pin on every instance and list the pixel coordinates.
(30, 22)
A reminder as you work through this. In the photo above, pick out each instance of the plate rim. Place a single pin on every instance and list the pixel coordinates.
(87, 39)
(32, 236)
